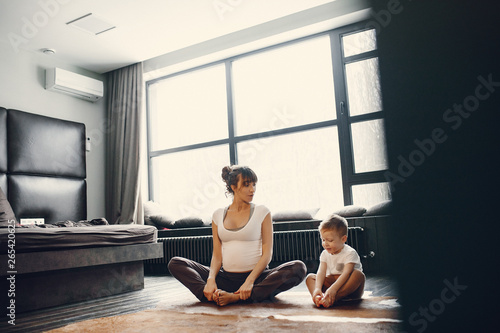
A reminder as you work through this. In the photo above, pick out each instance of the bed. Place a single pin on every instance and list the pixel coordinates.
(69, 258)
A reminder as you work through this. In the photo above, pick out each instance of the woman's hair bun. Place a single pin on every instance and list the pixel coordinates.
(225, 173)
(231, 173)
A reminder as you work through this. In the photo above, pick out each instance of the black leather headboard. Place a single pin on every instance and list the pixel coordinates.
(43, 166)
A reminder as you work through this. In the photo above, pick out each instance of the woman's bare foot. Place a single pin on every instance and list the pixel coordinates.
(225, 298)
(215, 296)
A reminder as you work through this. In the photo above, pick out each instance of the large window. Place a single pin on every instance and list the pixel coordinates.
(306, 116)
(295, 80)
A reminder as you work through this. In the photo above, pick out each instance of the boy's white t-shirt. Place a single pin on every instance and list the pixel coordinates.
(335, 262)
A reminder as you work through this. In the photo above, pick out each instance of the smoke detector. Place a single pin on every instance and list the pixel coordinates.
(48, 51)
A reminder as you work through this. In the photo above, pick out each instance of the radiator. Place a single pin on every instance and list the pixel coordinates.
(198, 248)
(306, 245)
(302, 245)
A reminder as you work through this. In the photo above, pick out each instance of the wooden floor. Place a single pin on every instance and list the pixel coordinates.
(157, 288)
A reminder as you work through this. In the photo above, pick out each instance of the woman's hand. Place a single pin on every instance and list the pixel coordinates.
(245, 290)
(215, 264)
(210, 289)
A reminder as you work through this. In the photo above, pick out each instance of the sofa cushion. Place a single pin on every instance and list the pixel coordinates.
(156, 215)
(189, 222)
(382, 208)
(162, 221)
(295, 215)
(350, 211)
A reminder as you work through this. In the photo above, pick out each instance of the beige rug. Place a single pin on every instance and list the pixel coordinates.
(291, 311)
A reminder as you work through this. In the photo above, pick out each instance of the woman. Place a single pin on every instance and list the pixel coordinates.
(242, 249)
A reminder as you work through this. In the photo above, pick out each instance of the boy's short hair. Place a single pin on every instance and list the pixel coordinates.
(335, 223)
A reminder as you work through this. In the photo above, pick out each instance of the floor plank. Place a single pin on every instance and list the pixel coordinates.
(156, 289)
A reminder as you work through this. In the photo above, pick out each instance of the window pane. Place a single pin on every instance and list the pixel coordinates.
(189, 108)
(368, 195)
(284, 87)
(296, 171)
(189, 183)
(368, 142)
(363, 86)
(359, 42)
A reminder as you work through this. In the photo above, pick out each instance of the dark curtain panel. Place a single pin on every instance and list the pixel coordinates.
(440, 82)
(123, 201)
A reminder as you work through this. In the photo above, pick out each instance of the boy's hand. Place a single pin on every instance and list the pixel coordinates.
(317, 297)
(328, 298)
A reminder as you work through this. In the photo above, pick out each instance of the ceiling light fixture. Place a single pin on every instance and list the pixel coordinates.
(91, 24)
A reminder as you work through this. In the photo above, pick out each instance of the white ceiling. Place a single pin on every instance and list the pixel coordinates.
(145, 29)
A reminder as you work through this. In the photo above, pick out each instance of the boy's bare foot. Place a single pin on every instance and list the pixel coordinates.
(317, 300)
(225, 298)
(327, 302)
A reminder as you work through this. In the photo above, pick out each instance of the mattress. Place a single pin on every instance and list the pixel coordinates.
(37, 239)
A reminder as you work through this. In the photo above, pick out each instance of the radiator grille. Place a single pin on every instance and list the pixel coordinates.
(302, 245)
(305, 245)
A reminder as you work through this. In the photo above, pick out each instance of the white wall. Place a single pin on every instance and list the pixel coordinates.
(22, 82)
(304, 23)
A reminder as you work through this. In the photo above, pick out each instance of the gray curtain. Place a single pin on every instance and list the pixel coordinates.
(123, 200)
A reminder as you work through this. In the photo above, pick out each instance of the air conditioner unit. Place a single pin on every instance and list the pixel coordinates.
(60, 80)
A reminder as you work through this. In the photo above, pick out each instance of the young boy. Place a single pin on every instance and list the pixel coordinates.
(340, 273)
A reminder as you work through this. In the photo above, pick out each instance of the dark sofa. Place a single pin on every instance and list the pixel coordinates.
(294, 239)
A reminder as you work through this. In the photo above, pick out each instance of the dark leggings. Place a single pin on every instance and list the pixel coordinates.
(270, 282)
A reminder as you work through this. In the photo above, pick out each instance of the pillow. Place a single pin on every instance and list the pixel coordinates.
(189, 222)
(152, 208)
(6, 212)
(207, 221)
(350, 211)
(382, 208)
(161, 221)
(155, 215)
(295, 215)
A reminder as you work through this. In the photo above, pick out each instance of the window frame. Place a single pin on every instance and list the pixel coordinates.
(349, 176)
(343, 120)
